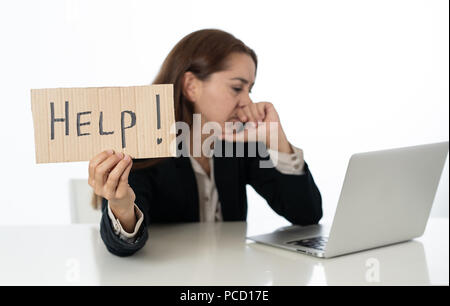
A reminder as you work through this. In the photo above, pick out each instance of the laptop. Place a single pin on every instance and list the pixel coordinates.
(386, 198)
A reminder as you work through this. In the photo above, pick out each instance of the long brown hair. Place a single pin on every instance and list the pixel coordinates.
(203, 53)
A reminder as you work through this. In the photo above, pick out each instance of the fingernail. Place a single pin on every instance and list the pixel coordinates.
(127, 157)
(120, 155)
(110, 152)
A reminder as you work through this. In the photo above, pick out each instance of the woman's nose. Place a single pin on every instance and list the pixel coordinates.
(245, 100)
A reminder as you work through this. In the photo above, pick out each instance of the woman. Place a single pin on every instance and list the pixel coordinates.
(212, 73)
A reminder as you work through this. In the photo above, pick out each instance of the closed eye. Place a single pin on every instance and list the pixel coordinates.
(239, 89)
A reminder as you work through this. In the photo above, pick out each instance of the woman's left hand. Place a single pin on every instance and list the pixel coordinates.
(262, 123)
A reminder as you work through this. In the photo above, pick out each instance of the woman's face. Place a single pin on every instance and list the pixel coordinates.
(219, 97)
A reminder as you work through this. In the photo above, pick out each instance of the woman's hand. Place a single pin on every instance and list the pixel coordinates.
(108, 176)
(261, 119)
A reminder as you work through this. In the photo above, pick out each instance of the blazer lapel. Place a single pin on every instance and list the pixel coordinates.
(226, 173)
(188, 184)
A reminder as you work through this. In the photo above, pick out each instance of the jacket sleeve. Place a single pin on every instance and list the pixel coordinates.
(117, 246)
(295, 197)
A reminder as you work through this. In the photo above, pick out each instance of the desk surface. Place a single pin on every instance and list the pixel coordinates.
(210, 254)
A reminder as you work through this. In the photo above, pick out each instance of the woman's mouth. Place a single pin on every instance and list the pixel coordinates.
(234, 119)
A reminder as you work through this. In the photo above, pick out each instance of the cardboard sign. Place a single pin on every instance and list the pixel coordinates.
(75, 124)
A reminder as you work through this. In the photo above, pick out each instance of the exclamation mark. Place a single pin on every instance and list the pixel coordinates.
(158, 122)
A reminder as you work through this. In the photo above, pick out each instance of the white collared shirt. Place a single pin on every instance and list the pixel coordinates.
(208, 197)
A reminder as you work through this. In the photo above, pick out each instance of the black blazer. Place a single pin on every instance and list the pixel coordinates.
(167, 192)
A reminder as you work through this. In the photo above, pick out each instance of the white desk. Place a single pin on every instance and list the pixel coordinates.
(209, 254)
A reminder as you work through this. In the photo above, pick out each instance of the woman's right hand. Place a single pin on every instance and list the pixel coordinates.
(108, 177)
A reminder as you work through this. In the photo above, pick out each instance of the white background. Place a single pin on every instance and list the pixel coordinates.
(345, 77)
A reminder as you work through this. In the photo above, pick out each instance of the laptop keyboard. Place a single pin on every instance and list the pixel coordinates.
(317, 243)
